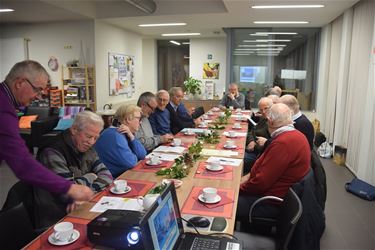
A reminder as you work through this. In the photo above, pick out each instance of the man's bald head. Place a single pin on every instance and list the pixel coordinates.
(292, 102)
(264, 104)
(279, 115)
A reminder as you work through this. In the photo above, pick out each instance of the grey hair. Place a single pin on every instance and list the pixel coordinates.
(160, 92)
(84, 118)
(173, 91)
(145, 97)
(280, 114)
(267, 100)
(275, 98)
(126, 112)
(28, 68)
(291, 101)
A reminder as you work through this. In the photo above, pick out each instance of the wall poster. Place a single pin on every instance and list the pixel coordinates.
(209, 90)
(121, 74)
(211, 70)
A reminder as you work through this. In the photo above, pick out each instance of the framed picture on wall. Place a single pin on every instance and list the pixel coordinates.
(209, 90)
(121, 74)
(211, 70)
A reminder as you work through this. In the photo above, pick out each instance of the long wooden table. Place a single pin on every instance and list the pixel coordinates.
(83, 211)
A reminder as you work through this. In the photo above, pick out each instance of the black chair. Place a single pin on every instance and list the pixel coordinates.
(15, 228)
(198, 112)
(290, 213)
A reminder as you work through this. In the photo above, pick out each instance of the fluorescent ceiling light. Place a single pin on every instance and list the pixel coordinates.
(242, 54)
(281, 22)
(267, 55)
(250, 41)
(270, 49)
(186, 43)
(174, 42)
(6, 10)
(261, 45)
(273, 40)
(186, 57)
(300, 6)
(182, 34)
(161, 24)
(273, 33)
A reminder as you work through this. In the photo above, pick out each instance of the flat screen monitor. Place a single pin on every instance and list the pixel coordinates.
(253, 74)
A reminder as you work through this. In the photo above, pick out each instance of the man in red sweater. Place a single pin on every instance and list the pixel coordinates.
(285, 161)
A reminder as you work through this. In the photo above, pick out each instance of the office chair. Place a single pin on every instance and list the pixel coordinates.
(16, 229)
(290, 213)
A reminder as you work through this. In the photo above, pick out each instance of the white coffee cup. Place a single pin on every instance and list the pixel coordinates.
(63, 231)
(120, 185)
(147, 201)
(230, 107)
(229, 143)
(214, 165)
(237, 125)
(154, 159)
(205, 117)
(209, 194)
(238, 110)
(203, 124)
(232, 133)
(177, 141)
(222, 114)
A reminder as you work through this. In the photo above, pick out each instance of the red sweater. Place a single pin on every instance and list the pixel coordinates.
(284, 162)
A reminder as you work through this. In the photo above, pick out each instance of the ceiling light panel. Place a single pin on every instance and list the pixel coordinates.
(182, 34)
(281, 22)
(299, 6)
(274, 33)
(6, 10)
(174, 42)
(161, 24)
(273, 40)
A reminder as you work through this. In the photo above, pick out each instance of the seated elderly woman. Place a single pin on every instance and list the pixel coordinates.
(117, 147)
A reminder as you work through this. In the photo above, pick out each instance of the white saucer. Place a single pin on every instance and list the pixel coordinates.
(56, 242)
(172, 144)
(237, 127)
(153, 164)
(127, 190)
(209, 167)
(230, 147)
(216, 200)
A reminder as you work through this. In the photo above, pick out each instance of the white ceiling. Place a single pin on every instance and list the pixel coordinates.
(205, 16)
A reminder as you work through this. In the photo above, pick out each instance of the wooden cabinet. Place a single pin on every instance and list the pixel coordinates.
(206, 104)
(78, 84)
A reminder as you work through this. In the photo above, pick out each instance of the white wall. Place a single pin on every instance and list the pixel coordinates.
(109, 38)
(54, 39)
(199, 49)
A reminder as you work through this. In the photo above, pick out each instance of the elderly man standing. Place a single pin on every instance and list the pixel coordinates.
(233, 99)
(147, 102)
(180, 117)
(117, 147)
(284, 162)
(301, 122)
(24, 83)
(160, 118)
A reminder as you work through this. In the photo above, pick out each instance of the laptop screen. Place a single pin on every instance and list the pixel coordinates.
(164, 224)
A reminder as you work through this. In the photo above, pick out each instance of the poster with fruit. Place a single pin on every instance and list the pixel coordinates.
(211, 70)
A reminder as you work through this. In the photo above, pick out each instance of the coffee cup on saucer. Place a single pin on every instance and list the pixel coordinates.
(63, 231)
(232, 133)
(237, 125)
(231, 108)
(222, 114)
(209, 194)
(120, 185)
(214, 165)
(176, 142)
(205, 117)
(238, 110)
(147, 201)
(154, 160)
(229, 144)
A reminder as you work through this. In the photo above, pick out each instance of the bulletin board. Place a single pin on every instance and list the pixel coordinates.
(121, 74)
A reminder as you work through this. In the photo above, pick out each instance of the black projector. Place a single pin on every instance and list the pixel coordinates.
(120, 229)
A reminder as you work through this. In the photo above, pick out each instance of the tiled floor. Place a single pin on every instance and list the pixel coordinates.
(350, 220)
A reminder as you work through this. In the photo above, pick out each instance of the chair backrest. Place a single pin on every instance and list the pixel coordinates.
(15, 228)
(290, 213)
(198, 112)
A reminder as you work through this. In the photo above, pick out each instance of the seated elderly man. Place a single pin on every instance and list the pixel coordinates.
(301, 122)
(147, 102)
(284, 162)
(160, 118)
(72, 156)
(117, 147)
(180, 117)
(255, 147)
(233, 99)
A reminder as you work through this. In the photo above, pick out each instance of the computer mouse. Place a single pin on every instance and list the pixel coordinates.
(198, 221)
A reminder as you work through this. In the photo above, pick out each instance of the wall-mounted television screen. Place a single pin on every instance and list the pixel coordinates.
(253, 74)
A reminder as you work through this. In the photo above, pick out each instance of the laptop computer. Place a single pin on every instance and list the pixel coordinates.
(164, 229)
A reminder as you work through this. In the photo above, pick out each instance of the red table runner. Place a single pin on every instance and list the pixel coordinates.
(143, 167)
(203, 173)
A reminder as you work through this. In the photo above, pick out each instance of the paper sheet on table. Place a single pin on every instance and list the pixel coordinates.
(163, 157)
(238, 134)
(209, 121)
(209, 152)
(195, 130)
(108, 202)
(225, 161)
(168, 149)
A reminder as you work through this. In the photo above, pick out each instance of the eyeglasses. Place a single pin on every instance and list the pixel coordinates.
(153, 109)
(38, 91)
(163, 100)
(137, 117)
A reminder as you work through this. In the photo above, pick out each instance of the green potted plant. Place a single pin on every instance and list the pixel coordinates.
(193, 86)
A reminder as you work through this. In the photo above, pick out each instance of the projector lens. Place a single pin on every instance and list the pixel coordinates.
(133, 237)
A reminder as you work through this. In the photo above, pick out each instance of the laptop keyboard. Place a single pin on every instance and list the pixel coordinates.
(205, 244)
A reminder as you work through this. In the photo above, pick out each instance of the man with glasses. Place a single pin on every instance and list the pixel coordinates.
(117, 147)
(180, 117)
(23, 84)
(160, 118)
(147, 102)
